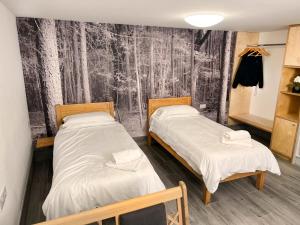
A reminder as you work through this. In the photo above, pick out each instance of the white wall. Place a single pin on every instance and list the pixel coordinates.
(15, 135)
(263, 101)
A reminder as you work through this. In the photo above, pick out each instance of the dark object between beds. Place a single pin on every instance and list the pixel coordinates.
(154, 215)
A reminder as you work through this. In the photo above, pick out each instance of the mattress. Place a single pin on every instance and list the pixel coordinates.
(82, 181)
(197, 140)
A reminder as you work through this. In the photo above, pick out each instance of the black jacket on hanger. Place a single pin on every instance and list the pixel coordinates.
(250, 72)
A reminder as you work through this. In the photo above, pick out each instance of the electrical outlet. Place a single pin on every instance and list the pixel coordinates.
(3, 198)
(202, 106)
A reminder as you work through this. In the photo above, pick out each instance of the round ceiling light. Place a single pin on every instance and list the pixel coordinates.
(203, 20)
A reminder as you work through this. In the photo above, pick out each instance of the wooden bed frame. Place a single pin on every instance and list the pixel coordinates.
(72, 109)
(154, 104)
(178, 194)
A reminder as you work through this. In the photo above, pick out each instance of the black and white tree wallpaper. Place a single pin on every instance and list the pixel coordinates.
(75, 62)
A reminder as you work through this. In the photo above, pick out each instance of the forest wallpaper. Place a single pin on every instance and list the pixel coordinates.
(75, 62)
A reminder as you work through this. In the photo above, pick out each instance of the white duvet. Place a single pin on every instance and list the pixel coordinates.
(198, 141)
(82, 181)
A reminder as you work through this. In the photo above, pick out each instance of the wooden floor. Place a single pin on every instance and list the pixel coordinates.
(237, 202)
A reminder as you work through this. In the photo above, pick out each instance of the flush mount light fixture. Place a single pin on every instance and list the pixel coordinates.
(204, 20)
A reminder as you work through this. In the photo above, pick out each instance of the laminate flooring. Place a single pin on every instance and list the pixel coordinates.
(237, 202)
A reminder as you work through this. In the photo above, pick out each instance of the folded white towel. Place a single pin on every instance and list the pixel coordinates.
(237, 135)
(244, 142)
(126, 156)
(132, 166)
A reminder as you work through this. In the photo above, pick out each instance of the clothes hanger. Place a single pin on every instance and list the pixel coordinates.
(263, 52)
(266, 53)
(245, 51)
(254, 51)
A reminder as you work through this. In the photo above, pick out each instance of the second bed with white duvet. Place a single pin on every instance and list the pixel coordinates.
(197, 140)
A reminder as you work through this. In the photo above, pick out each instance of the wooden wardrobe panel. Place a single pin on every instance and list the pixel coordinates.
(292, 56)
(241, 96)
(283, 137)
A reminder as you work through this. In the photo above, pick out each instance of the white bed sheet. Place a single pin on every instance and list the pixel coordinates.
(197, 140)
(81, 181)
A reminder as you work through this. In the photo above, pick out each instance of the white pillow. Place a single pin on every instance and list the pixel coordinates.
(85, 125)
(88, 118)
(174, 111)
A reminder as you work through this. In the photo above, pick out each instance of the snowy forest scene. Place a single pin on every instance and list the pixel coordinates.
(66, 62)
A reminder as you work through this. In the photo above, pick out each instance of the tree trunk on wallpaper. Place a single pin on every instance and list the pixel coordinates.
(225, 73)
(164, 69)
(193, 78)
(139, 69)
(65, 69)
(138, 87)
(107, 78)
(172, 64)
(49, 72)
(203, 39)
(167, 68)
(67, 60)
(195, 68)
(77, 64)
(152, 90)
(116, 48)
(161, 70)
(84, 66)
(127, 61)
(183, 86)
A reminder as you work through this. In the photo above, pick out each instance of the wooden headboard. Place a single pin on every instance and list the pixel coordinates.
(154, 104)
(72, 109)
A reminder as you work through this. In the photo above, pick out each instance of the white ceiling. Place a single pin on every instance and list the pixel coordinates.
(240, 15)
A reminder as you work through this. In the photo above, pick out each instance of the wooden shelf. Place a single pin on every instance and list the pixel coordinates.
(290, 93)
(291, 66)
(255, 121)
(293, 117)
(44, 142)
(288, 103)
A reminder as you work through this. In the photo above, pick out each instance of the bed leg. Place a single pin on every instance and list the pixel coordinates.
(206, 196)
(260, 181)
(149, 139)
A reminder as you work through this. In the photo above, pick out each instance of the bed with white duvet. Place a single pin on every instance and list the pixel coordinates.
(197, 140)
(81, 178)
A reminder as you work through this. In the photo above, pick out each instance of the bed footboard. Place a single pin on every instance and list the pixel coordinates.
(177, 194)
(260, 175)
